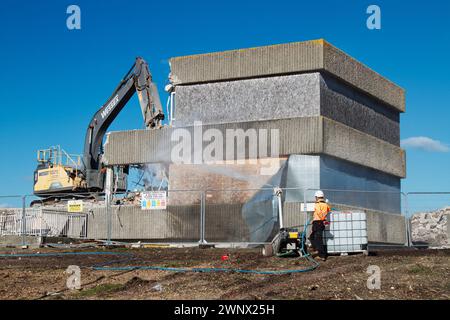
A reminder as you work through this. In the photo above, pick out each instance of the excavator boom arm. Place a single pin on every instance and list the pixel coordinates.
(138, 79)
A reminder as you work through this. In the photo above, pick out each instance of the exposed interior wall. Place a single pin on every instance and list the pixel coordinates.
(242, 180)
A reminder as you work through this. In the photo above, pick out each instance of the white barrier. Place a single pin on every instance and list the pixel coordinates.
(41, 222)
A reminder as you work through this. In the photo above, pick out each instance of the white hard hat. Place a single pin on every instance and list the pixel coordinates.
(169, 88)
(319, 194)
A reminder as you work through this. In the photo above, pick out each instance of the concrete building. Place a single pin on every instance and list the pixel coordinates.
(338, 124)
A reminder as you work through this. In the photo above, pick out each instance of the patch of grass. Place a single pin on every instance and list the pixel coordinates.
(419, 269)
(101, 289)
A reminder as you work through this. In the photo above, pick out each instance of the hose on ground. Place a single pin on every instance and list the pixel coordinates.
(129, 257)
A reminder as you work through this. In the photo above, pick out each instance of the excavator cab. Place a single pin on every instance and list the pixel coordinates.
(58, 172)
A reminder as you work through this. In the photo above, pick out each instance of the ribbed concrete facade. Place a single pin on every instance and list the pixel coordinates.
(309, 135)
(283, 59)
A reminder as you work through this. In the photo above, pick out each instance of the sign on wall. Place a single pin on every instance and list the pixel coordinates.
(75, 206)
(154, 200)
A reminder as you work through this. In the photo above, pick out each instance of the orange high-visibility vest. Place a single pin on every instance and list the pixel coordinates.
(321, 209)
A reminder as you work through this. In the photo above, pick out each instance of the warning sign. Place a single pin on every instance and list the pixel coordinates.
(154, 200)
(75, 206)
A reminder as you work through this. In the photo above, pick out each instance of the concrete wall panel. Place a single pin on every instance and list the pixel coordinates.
(344, 105)
(249, 100)
(314, 135)
(355, 146)
(150, 146)
(343, 66)
(285, 97)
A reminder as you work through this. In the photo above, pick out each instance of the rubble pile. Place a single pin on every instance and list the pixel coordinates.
(431, 228)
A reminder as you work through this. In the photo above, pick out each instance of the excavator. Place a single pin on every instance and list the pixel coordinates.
(61, 175)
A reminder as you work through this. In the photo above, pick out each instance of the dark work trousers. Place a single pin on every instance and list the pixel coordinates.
(316, 238)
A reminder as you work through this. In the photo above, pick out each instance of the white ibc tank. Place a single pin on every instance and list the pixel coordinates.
(347, 232)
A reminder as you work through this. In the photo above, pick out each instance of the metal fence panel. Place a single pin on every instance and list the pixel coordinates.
(40, 221)
(386, 228)
(228, 216)
(11, 215)
(241, 216)
(179, 222)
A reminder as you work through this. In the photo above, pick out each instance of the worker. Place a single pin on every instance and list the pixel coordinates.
(321, 210)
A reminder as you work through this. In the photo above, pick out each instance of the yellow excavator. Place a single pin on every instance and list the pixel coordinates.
(58, 171)
(62, 175)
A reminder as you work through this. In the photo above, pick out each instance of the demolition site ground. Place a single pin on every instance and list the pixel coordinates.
(405, 274)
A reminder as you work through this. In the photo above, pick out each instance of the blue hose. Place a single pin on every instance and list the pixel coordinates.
(305, 254)
(266, 272)
(83, 253)
(129, 268)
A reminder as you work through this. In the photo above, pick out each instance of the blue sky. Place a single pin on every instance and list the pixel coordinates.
(52, 80)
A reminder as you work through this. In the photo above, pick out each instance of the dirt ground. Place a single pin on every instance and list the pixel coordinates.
(412, 274)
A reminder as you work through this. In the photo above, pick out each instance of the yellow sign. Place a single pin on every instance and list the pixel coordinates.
(75, 206)
(293, 235)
